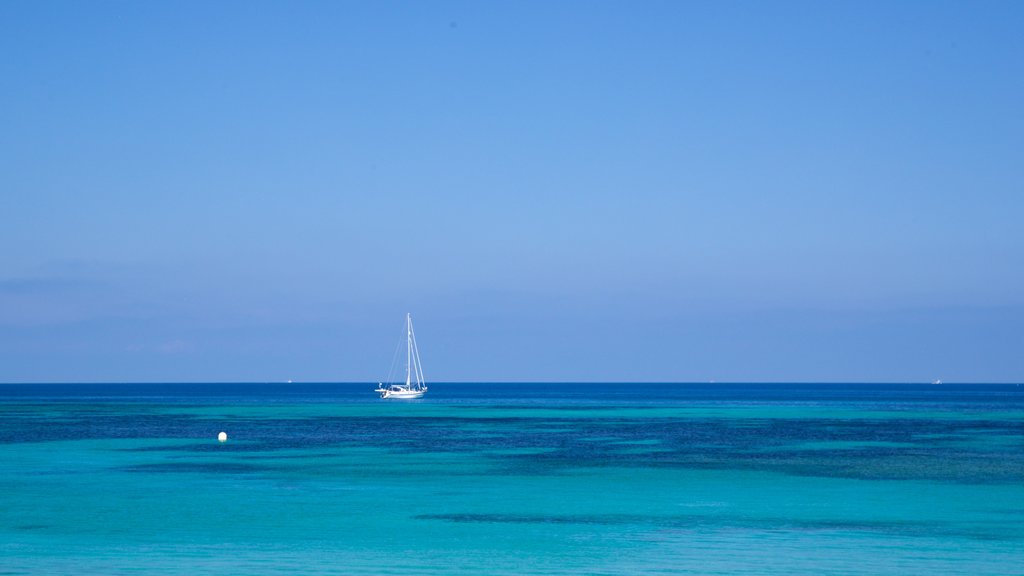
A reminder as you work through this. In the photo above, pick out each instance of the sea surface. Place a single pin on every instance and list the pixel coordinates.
(512, 479)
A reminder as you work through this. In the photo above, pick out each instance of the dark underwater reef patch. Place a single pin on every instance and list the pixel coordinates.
(677, 521)
(560, 408)
(32, 527)
(197, 467)
(602, 519)
(695, 522)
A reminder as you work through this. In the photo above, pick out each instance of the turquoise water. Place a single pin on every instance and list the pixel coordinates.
(521, 479)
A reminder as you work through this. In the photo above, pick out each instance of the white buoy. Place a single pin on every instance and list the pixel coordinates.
(222, 437)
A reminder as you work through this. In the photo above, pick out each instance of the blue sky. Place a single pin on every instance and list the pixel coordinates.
(671, 191)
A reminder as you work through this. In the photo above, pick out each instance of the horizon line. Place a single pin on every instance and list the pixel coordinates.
(512, 382)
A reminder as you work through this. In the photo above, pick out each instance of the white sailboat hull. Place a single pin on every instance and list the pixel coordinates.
(402, 394)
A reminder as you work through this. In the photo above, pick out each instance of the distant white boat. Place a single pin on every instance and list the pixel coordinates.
(414, 386)
(937, 382)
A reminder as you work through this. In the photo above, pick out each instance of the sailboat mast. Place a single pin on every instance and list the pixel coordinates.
(408, 349)
(417, 366)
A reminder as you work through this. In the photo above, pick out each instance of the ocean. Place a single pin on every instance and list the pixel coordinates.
(512, 479)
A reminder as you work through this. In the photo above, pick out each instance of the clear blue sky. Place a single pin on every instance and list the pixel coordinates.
(677, 191)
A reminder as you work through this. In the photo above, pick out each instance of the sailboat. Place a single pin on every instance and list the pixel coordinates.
(414, 386)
